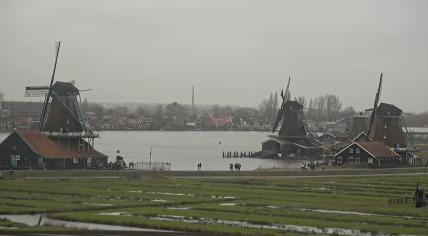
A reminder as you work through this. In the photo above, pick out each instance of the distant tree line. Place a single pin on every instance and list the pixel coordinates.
(416, 120)
(323, 108)
(326, 108)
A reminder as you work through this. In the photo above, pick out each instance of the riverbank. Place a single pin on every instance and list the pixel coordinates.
(111, 174)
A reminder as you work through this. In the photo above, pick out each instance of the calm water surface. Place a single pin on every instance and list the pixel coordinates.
(184, 149)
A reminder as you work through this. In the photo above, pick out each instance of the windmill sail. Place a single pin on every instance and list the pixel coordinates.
(36, 91)
(45, 106)
(285, 97)
(376, 102)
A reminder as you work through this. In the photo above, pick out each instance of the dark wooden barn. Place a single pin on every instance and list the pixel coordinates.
(291, 147)
(25, 149)
(368, 154)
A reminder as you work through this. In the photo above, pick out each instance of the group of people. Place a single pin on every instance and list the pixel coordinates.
(308, 165)
(237, 166)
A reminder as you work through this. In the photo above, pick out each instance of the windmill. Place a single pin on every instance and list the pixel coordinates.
(61, 107)
(63, 140)
(291, 117)
(387, 123)
(293, 139)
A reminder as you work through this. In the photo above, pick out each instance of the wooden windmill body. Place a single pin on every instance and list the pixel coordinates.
(293, 139)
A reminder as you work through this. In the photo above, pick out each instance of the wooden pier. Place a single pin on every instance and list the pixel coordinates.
(239, 154)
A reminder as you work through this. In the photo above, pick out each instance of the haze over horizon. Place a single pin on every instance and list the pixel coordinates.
(234, 52)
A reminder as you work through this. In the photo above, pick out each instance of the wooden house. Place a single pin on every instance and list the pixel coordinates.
(25, 149)
(368, 154)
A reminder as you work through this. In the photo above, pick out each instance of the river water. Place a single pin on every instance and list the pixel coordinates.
(185, 149)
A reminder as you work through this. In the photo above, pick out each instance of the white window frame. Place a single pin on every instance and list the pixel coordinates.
(75, 160)
(351, 150)
(89, 160)
(350, 160)
(357, 161)
(357, 150)
(339, 160)
(370, 160)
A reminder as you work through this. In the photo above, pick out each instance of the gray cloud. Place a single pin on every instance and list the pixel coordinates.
(235, 52)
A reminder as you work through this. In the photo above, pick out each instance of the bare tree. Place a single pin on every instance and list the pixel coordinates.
(319, 107)
(141, 111)
(269, 108)
(347, 111)
(301, 100)
(158, 116)
(333, 106)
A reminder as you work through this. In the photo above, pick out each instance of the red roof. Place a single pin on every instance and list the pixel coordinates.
(374, 149)
(48, 148)
(377, 149)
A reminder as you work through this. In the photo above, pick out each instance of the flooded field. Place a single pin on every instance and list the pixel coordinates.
(39, 219)
(345, 205)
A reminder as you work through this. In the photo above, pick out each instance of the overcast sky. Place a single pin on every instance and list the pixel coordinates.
(234, 52)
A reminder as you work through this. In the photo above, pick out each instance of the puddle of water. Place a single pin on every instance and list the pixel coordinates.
(228, 204)
(134, 191)
(348, 212)
(223, 197)
(119, 213)
(7, 228)
(319, 188)
(98, 204)
(336, 212)
(158, 200)
(174, 194)
(174, 218)
(32, 220)
(179, 208)
(285, 227)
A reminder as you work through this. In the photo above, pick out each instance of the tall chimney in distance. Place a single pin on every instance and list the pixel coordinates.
(193, 97)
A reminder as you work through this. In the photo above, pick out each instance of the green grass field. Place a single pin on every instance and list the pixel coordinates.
(271, 205)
